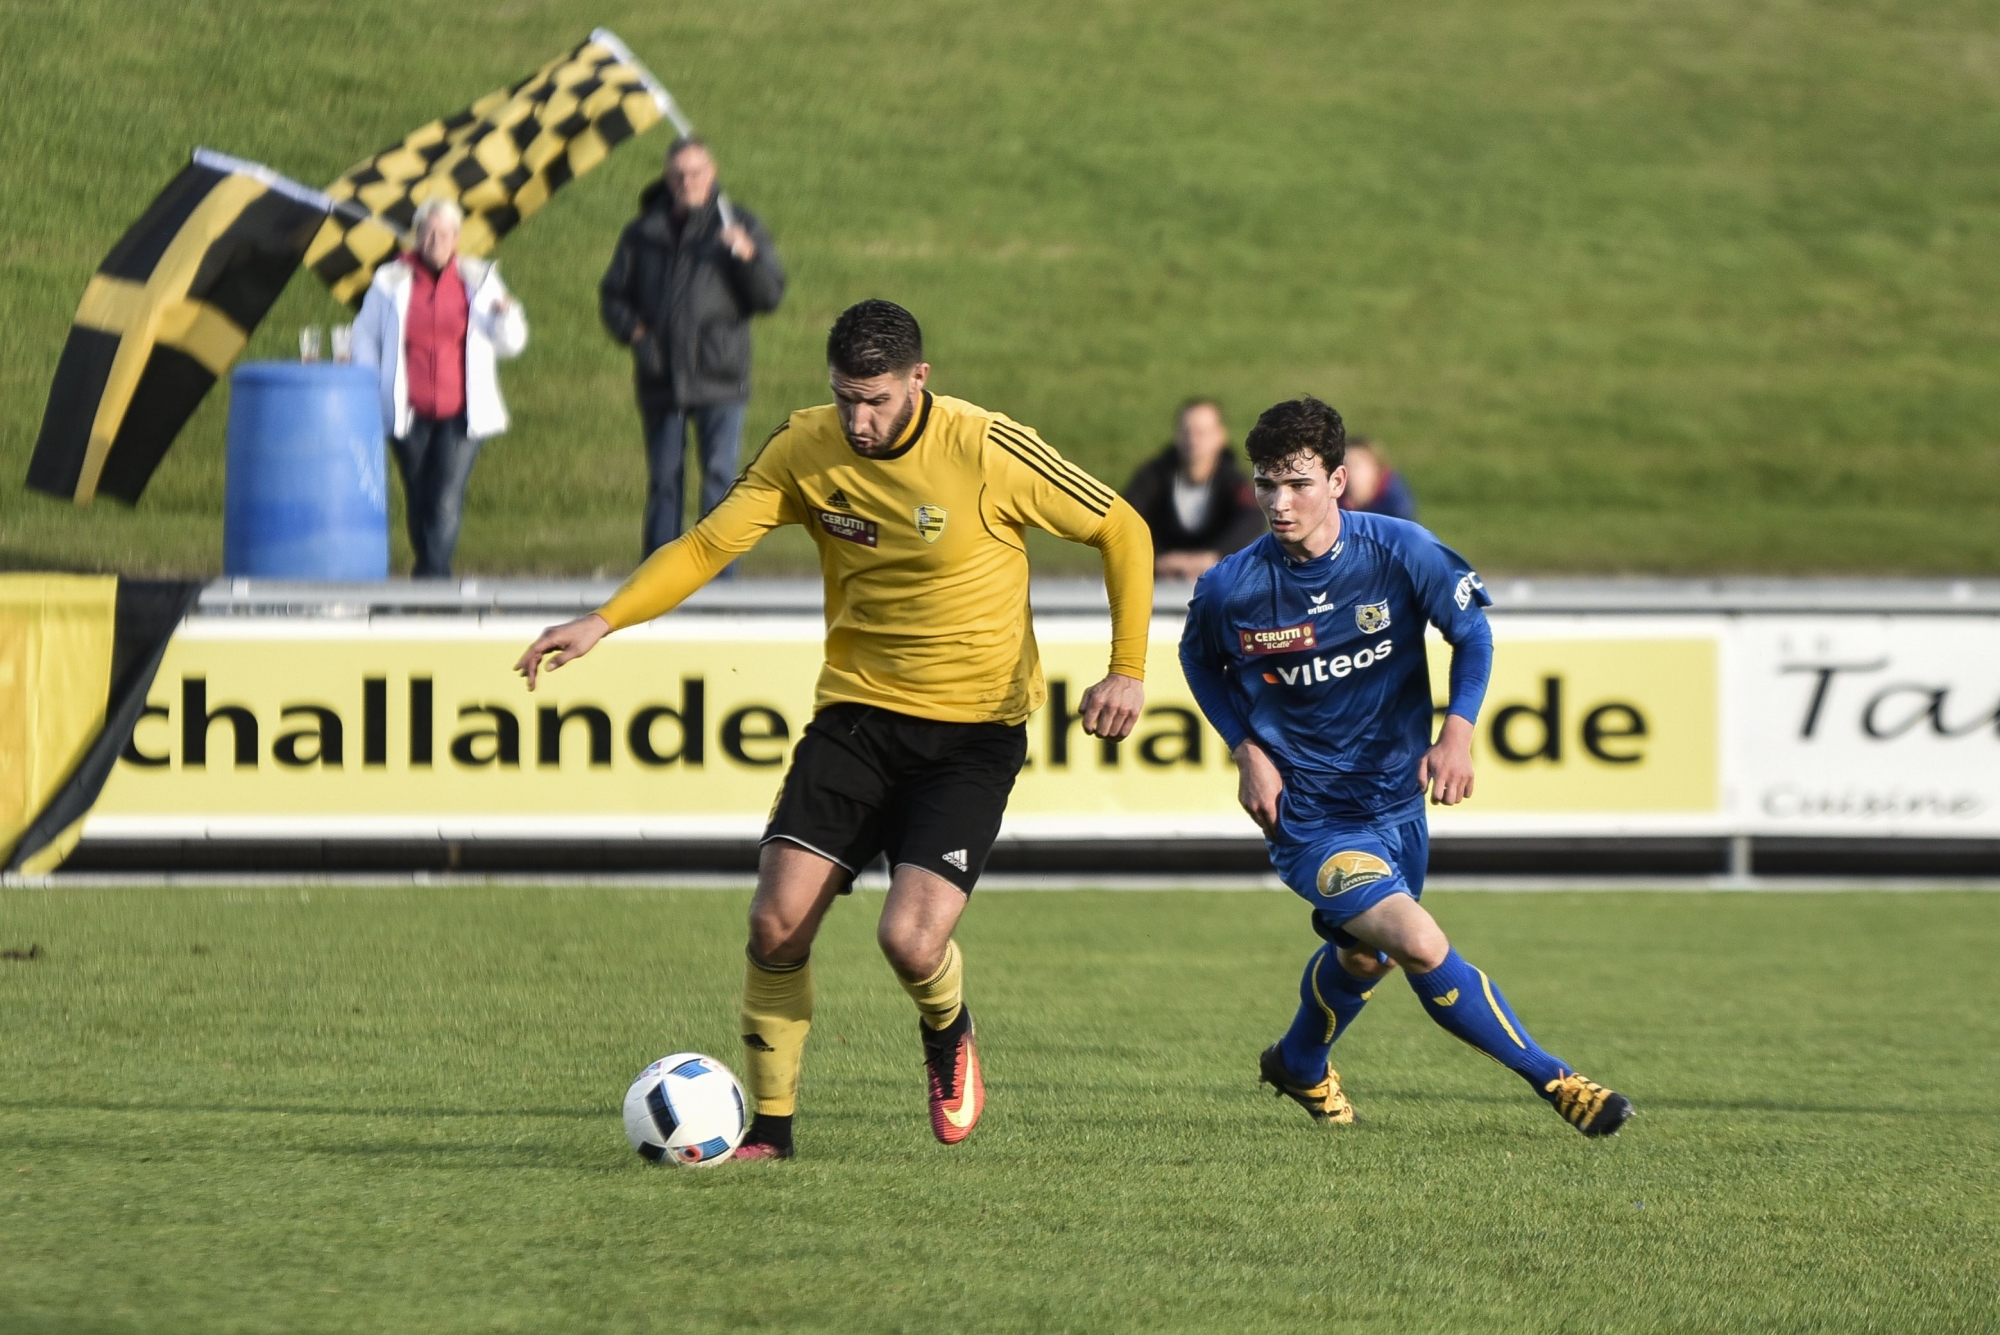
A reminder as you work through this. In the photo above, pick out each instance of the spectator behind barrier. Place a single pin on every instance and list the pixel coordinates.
(688, 274)
(435, 325)
(1194, 496)
(1372, 485)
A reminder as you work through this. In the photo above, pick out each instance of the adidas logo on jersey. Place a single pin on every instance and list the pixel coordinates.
(838, 500)
(1327, 669)
(957, 858)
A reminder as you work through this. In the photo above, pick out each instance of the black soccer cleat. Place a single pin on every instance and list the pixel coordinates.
(1587, 1105)
(1326, 1101)
(768, 1138)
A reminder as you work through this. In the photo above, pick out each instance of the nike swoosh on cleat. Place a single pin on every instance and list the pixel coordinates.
(967, 1112)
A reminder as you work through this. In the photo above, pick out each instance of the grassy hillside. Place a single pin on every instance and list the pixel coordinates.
(1690, 287)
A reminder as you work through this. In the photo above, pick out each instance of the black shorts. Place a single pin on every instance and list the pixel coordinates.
(865, 781)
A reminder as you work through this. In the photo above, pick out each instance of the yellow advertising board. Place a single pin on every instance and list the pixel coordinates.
(685, 726)
(1596, 725)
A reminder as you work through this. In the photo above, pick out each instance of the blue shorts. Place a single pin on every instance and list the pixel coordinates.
(1345, 870)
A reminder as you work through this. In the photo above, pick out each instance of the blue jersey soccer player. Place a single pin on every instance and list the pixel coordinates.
(1306, 651)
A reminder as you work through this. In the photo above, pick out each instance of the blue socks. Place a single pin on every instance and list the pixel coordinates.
(1458, 996)
(1329, 999)
(1465, 1002)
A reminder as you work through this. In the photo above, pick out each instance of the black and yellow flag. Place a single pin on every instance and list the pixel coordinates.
(162, 319)
(499, 159)
(84, 649)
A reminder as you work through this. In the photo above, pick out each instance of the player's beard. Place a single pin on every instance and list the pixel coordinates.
(889, 441)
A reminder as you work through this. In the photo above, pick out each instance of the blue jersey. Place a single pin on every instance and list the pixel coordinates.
(1323, 662)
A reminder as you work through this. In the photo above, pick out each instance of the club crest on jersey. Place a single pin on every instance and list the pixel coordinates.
(930, 522)
(1282, 640)
(1350, 871)
(1371, 617)
(849, 528)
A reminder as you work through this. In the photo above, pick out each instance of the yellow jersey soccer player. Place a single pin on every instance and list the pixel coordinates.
(917, 504)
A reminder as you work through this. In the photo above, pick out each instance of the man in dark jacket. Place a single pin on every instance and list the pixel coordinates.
(688, 274)
(1194, 496)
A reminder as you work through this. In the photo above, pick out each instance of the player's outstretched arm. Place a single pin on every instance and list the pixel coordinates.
(1446, 769)
(754, 506)
(570, 640)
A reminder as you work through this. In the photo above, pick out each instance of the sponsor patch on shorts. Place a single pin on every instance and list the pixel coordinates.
(1282, 640)
(849, 528)
(1350, 871)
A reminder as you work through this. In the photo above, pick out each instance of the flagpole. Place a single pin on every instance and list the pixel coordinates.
(662, 99)
(257, 171)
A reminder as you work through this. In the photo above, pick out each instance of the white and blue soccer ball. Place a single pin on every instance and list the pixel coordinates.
(686, 1109)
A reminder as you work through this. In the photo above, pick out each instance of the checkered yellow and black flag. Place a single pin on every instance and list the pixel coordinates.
(162, 319)
(499, 159)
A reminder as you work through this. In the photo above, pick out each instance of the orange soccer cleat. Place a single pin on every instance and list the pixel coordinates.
(958, 1095)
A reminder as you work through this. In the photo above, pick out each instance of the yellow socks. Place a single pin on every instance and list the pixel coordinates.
(940, 997)
(777, 1012)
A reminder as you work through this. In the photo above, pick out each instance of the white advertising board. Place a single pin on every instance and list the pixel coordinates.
(1865, 725)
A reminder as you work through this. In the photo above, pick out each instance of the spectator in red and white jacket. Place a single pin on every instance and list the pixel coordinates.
(436, 324)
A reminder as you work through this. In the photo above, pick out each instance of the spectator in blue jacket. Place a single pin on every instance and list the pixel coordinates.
(1372, 485)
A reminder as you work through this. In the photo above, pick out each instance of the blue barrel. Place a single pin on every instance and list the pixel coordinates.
(307, 495)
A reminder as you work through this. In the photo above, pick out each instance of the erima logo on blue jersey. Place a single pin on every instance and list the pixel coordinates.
(1327, 669)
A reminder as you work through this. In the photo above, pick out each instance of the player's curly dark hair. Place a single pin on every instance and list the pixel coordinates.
(1297, 426)
(872, 338)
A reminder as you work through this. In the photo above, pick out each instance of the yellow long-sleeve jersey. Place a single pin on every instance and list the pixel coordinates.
(922, 553)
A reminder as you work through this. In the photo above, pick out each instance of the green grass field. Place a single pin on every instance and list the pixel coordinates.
(303, 1110)
(1694, 287)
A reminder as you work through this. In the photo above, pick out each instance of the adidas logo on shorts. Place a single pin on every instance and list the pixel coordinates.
(956, 858)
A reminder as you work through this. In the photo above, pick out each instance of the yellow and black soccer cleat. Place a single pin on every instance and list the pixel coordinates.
(1587, 1105)
(1324, 1101)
